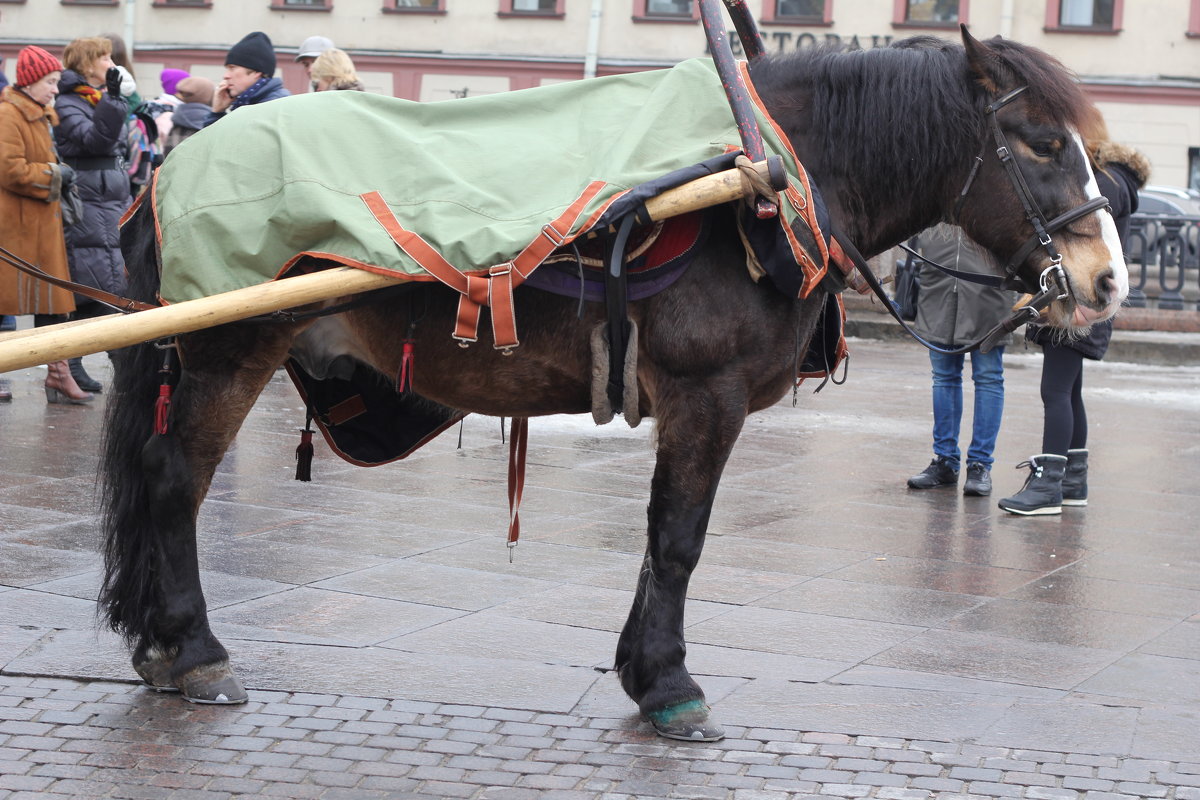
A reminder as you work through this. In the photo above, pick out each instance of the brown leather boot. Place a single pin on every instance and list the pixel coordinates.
(62, 388)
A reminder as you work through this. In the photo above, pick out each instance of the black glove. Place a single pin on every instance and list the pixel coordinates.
(112, 80)
(68, 174)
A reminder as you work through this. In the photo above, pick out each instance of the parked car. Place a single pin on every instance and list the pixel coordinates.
(1169, 200)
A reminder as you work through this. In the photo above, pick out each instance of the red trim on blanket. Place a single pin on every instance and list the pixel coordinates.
(798, 201)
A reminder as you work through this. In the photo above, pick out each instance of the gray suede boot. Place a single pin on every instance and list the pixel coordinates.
(1042, 493)
(1074, 484)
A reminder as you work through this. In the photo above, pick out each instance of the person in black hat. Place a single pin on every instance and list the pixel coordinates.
(249, 77)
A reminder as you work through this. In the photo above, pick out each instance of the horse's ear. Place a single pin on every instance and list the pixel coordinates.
(987, 68)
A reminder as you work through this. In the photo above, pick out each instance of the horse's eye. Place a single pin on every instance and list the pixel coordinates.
(1043, 149)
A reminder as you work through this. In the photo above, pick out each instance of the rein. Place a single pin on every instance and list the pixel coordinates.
(123, 304)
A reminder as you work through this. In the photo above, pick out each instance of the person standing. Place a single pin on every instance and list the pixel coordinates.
(196, 95)
(31, 183)
(92, 138)
(334, 71)
(310, 49)
(249, 77)
(952, 313)
(1058, 475)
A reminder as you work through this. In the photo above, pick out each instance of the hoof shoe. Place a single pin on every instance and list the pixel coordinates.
(214, 684)
(688, 722)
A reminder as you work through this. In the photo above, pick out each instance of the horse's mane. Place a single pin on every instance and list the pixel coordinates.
(842, 103)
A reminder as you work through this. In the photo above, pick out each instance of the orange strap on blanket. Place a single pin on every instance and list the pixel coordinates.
(493, 289)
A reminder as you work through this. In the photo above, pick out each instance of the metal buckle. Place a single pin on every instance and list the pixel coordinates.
(557, 239)
(1003, 153)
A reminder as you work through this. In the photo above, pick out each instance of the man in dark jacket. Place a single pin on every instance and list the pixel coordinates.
(952, 313)
(249, 77)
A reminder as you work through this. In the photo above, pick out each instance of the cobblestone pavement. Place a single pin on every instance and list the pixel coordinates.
(82, 739)
(856, 639)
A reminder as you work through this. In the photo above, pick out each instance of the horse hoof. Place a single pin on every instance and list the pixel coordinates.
(213, 684)
(155, 675)
(688, 721)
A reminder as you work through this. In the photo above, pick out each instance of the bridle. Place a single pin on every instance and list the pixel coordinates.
(1053, 279)
(1051, 283)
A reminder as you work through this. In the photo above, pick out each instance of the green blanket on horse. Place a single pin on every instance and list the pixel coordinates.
(474, 181)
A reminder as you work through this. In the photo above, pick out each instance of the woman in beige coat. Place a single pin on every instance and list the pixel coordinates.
(31, 183)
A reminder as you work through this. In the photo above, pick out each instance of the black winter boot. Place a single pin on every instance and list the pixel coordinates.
(85, 381)
(1042, 493)
(940, 472)
(1075, 479)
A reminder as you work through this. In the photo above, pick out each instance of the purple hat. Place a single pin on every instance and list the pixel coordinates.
(170, 78)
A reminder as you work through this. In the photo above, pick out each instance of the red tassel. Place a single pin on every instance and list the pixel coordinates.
(304, 456)
(161, 406)
(406, 368)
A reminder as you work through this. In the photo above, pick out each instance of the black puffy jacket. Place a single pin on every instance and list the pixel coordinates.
(95, 132)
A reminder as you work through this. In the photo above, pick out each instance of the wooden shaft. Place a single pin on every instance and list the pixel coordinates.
(27, 348)
(56, 342)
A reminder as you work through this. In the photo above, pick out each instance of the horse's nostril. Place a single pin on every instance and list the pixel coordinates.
(1105, 286)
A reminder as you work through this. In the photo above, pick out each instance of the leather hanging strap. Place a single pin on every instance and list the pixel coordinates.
(518, 439)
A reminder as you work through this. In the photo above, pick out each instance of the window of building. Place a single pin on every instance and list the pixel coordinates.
(416, 6)
(666, 10)
(1089, 16)
(533, 8)
(301, 3)
(182, 3)
(1193, 30)
(89, 2)
(1194, 167)
(798, 12)
(930, 13)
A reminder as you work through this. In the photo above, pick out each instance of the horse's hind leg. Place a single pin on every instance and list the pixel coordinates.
(152, 591)
(697, 427)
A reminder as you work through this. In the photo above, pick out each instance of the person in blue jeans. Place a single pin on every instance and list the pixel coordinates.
(951, 313)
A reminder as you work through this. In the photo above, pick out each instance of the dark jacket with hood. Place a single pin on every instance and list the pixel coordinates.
(87, 136)
(271, 90)
(1123, 170)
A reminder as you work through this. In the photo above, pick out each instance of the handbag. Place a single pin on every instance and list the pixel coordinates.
(908, 287)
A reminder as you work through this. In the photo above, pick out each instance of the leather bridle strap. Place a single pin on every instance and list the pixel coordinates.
(1033, 212)
(114, 301)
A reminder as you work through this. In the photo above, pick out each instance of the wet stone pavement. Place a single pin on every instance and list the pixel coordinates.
(857, 639)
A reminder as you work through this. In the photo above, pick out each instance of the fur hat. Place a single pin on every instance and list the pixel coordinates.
(170, 78)
(33, 64)
(254, 52)
(313, 46)
(194, 89)
(1106, 152)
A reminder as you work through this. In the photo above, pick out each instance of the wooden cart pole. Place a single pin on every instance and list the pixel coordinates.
(29, 348)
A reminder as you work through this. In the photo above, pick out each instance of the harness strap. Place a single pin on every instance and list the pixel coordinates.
(495, 289)
(115, 301)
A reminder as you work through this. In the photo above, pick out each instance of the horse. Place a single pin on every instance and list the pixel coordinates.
(984, 134)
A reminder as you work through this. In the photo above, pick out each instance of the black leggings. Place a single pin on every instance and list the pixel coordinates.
(1065, 425)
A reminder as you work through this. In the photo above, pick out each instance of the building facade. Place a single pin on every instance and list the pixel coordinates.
(1139, 61)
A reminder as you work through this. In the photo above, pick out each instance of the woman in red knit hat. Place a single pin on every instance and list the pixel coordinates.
(31, 183)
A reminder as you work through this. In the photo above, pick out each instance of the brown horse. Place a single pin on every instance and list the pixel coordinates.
(897, 139)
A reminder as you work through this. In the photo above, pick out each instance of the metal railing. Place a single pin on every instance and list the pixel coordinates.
(1164, 262)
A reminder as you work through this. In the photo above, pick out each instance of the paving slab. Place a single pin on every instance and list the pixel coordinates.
(858, 639)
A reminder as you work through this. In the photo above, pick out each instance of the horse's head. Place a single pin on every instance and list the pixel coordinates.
(1031, 197)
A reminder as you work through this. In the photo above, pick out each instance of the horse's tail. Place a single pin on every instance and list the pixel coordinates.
(131, 552)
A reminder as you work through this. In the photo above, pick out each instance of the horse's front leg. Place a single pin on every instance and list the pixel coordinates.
(154, 488)
(697, 425)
